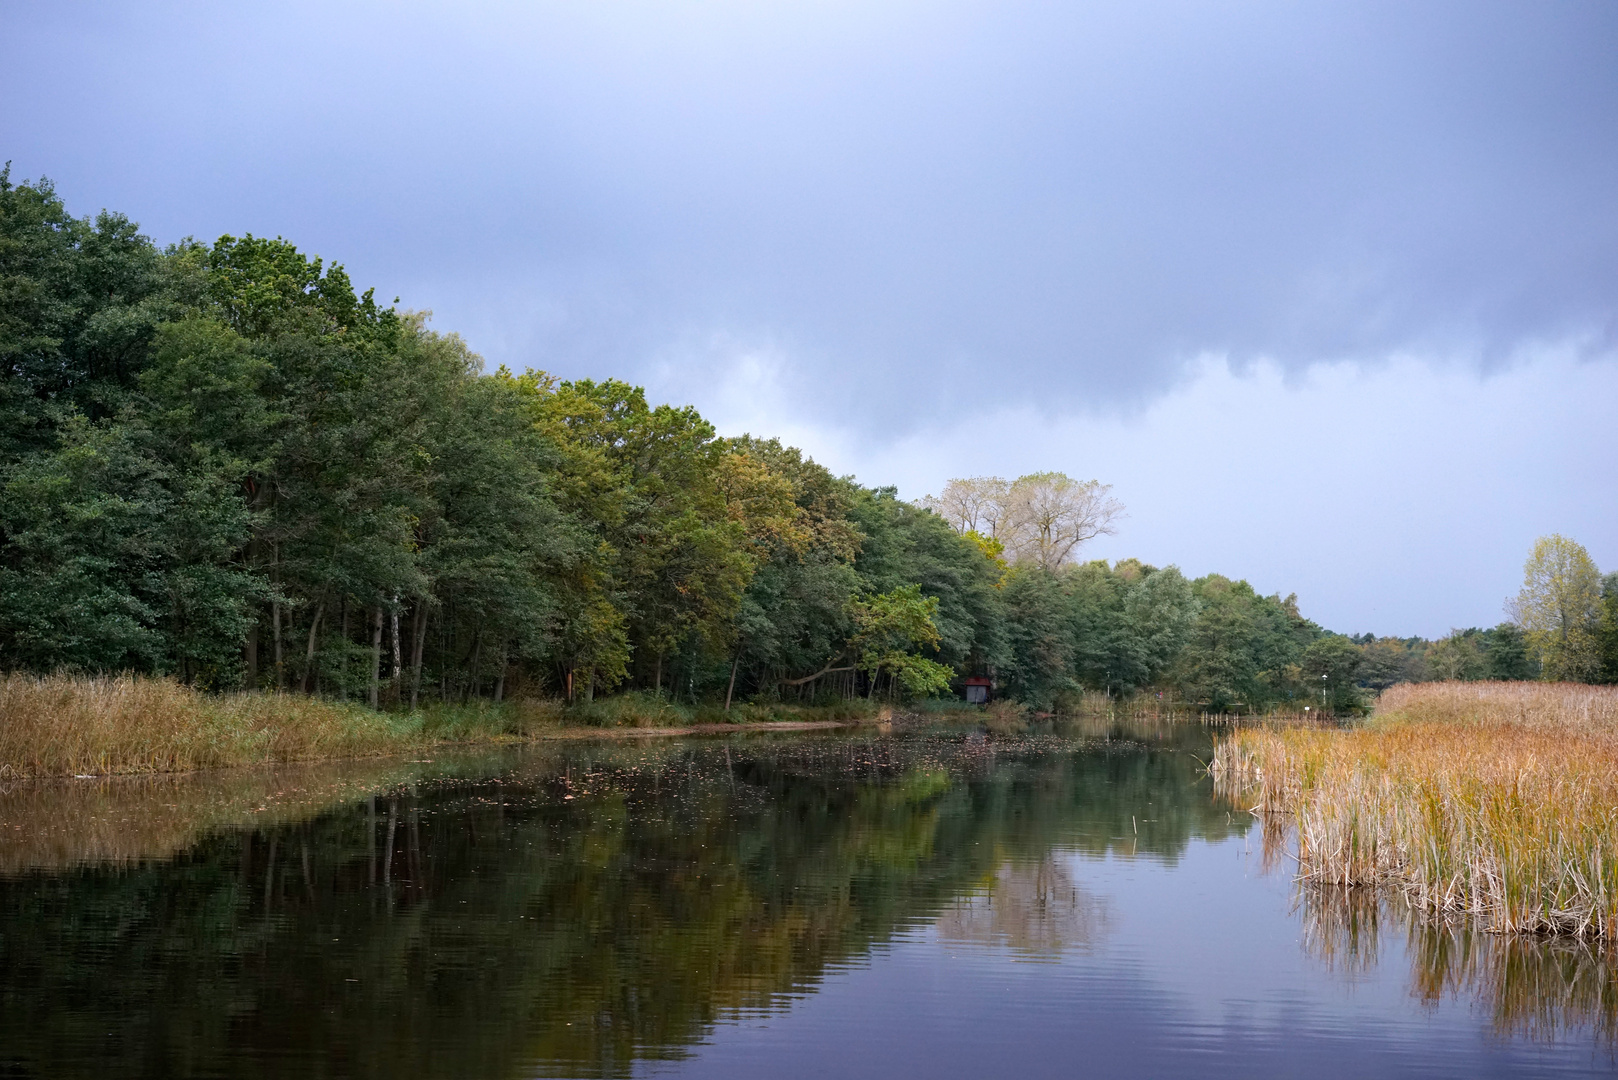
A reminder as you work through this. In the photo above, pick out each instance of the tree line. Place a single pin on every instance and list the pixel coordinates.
(221, 462)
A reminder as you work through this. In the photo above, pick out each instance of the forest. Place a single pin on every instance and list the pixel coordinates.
(221, 463)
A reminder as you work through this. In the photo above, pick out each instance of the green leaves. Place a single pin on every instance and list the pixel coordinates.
(220, 461)
(889, 629)
(116, 559)
(1559, 609)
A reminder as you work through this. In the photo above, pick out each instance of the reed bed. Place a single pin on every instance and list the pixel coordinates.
(1496, 800)
(62, 725)
(67, 726)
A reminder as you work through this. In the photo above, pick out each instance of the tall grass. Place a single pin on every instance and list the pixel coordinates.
(1499, 800)
(64, 726)
(78, 725)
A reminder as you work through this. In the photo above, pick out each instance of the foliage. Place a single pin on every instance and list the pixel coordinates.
(889, 629)
(1559, 609)
(1041, 518)
(223, 464)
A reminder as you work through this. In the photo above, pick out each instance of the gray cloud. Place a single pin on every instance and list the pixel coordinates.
(900, 198)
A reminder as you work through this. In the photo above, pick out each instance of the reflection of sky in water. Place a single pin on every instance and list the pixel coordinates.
(939, 904)
(1199, 968)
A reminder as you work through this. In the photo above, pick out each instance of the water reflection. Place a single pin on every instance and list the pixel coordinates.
(1534, 988)
(564, 913)
(584, 909)
(1034, 909)
(57, 824)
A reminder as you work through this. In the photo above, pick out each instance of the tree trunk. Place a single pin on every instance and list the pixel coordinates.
(345, 649)
(280, 664)
(590, 687)
(657, 681)
(500, 680)
(731, 689)
(376, 652)
(387, 848)
(398, 666)
(252, 654)
(309, 654)
(477, 663)
(418, 642)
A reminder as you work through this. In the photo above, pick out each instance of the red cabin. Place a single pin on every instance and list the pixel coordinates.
(978, 690)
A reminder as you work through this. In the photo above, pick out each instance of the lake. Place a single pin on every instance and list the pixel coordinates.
(943, 901)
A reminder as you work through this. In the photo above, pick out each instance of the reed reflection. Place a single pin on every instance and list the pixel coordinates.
(1538, 988)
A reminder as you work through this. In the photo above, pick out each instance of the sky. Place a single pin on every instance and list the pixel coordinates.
(1328, 292)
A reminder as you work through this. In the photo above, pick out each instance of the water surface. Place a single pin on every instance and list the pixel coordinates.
(948, 902)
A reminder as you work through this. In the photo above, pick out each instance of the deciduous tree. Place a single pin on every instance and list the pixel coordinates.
(1559, 609)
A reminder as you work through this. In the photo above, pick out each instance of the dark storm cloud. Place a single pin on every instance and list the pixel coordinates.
(898, 199)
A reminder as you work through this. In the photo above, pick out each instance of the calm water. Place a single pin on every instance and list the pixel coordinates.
(943, 903)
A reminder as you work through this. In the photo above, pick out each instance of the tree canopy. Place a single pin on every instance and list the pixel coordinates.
(223, 463)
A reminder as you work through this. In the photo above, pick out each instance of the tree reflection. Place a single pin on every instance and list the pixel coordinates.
(569, 911)
(1035, 909)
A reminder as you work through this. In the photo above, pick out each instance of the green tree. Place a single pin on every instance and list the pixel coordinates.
(794, 618)
(1389, 660)
(1330, 664)
(1506, 651)
(1039, 665)
(904, 544)
(79, 303)
(1559, 609)
(1460, 655)
(890, 629)
(1607, 628)
(115, 560)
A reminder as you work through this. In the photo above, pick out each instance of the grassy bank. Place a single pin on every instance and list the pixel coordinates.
(67, 726)
(1498, 800)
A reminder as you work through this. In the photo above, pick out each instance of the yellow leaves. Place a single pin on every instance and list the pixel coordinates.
(762, 501)
(1559, 607)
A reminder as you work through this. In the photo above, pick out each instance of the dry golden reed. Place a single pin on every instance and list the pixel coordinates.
(1499, 800)
(76, 725)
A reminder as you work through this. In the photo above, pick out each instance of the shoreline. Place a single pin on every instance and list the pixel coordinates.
(572, 732)
(67, 726)
(586, 732)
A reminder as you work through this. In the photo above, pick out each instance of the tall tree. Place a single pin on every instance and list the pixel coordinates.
(1041, 518)
(1559, 609)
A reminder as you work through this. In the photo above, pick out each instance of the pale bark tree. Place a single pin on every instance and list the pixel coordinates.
(1041, 518)
(974, 504)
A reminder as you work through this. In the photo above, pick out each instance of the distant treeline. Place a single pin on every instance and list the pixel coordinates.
(220, 462)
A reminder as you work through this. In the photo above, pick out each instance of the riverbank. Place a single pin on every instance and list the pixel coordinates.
(1496, 800)
(82, 726)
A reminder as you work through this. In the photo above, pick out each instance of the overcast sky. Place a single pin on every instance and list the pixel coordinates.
(1329, 292)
